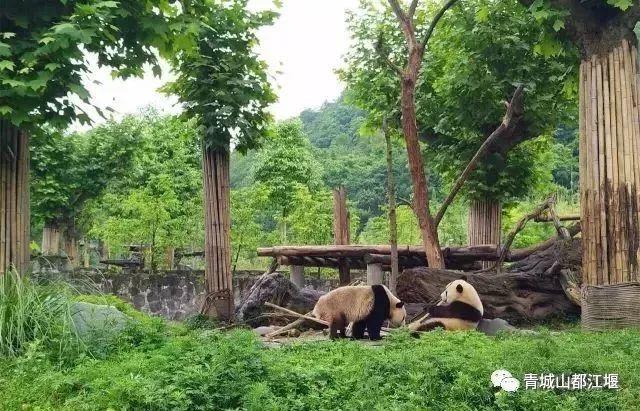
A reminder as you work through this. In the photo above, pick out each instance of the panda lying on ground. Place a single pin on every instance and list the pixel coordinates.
(459, 308)
(367, 307)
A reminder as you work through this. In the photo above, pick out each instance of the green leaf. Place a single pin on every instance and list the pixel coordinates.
(79, 90)
(5, 49)
(7, 65)
(558, 25)
(5, 110)
(52, 66)
(482, 14)
(621, 4)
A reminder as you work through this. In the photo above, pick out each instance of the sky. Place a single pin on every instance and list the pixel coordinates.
(303, 48)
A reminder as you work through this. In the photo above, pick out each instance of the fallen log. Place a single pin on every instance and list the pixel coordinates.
(530, 291)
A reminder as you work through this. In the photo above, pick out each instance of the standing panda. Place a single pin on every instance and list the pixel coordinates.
(367, 307)
(459, 308)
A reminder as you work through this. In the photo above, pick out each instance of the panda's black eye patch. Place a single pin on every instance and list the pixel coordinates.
(459, 288)
(400, 304)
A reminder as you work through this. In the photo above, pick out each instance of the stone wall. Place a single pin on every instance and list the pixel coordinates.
(174, 295)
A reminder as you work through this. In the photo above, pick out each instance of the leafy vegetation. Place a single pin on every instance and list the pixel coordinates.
(31, 314)
(233, 370)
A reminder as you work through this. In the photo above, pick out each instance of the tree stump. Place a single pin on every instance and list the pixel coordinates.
(277, 289)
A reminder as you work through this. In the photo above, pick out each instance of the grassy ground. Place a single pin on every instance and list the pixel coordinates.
(156, 366)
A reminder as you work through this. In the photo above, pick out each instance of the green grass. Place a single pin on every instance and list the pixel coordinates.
(178, 369)
(32, 314)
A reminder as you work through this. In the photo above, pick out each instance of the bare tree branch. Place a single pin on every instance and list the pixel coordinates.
(412, 8)
(523, 221)
(509, 124)
(435, 21)
(397, 10)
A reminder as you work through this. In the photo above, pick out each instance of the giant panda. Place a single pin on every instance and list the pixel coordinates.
(459, 308)
(367, 307)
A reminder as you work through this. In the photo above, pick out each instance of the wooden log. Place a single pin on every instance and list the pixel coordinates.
(287, 327)
(295, 314)
(529, 292)
(324, 256)
(374, 274)
(297, 275)
(545, 218)
(341, 229)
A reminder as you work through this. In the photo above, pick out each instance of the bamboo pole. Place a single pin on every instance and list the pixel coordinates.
(616, 248)
(601, 183)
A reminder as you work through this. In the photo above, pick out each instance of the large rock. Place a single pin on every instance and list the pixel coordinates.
(91, 319)
(277, 289)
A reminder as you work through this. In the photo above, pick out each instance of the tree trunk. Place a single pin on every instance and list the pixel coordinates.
(51, 239)
(416, 167)
(484, 223)
(530, 292)
(70, 243)
(341, 235)
(218, 278)
(14, 198)
(610, 176)
(393, 223)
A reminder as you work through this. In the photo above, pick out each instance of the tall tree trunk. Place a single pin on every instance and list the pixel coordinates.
(218, 277)
(484, 223)
(51, 238)
(610, 179)
(416, 167)
(14, 198)
(393, 223)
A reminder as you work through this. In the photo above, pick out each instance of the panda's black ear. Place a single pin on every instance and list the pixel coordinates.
(400, 304)
(464, 277)
(459, 288)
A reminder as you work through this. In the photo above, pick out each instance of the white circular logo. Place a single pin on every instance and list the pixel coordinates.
(510, 384)
(498, 376)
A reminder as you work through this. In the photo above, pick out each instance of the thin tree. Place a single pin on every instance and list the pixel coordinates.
(409, 78)
(391, 194)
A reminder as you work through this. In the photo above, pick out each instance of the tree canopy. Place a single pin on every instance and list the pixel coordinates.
(44, 48)
(221, 81)
(479, 53)
(69, 170)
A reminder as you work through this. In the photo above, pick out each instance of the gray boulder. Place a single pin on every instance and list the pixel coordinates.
(494, 326)
(91, 319)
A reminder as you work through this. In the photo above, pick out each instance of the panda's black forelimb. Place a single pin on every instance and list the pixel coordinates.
(357, 330)
(379, 312)
(374, 326)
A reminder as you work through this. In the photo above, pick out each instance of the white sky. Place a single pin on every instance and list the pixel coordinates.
(302, 48)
